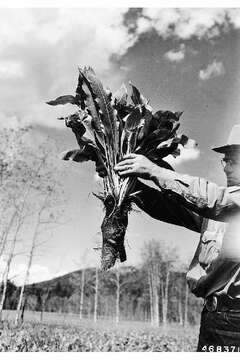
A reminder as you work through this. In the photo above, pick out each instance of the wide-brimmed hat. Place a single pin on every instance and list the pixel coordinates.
(233, 143)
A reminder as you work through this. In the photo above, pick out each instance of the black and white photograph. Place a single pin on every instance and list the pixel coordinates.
(119, 178)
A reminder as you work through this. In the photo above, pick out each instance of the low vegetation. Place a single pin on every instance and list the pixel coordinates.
(69, 334)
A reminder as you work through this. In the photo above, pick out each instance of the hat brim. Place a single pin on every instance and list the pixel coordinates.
(227, 149)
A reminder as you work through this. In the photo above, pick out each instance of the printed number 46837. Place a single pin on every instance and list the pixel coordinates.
(220, 348)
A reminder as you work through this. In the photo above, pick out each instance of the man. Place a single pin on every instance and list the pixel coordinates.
(214, 211)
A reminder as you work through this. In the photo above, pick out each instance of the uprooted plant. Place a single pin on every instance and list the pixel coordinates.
(107, 127)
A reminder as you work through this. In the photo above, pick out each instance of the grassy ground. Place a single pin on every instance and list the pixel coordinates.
(67, 333)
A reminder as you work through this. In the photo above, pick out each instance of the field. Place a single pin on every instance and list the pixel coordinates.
(59, 332)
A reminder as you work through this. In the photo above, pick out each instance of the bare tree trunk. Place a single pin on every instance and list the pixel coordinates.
(44, 298)
(10, 258)
(41, 307)
(6, 233)
(3, 296)
(34, 238)
(153, 291)
(5, 282)
(150, 294)
(180, 314)
(20, 301)
(117, 295)
(155, 296)
(155, 305)
(23, 308)
(186, 306)
(19, 306)
(96, 296)
(107, 309)
(82, 294)
(88, 308)
(165, 299)
(20, 214)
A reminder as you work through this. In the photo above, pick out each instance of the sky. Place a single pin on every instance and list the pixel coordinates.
(182, 59)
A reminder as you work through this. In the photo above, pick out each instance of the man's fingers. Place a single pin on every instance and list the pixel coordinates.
(123, 163)
(125, 173)
(123, 168)
(130, 156)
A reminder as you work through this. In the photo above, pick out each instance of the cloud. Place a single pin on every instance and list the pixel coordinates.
(187, 153)
(37, 272)
(213, 70)
(10, 69)
(176, 55)
(186, 23)
(41, 50)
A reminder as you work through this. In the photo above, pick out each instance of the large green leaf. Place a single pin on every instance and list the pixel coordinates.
(84, 90)
(120, 96)
(85, 153)
(137, 97)
(108, 117)
(133, 123)
(74, 155)
(63, 100)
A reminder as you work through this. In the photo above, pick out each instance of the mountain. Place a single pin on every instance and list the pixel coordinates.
(126, 288)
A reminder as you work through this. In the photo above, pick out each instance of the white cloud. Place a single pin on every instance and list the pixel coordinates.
(42, 48)
(17, 272)
(10, 69)
(186, 23)
(37, 273)
(189, 152)
(213, 70)
(49, 45)
(144, 25)
(176, 55)
(81, 35)
(234, 16)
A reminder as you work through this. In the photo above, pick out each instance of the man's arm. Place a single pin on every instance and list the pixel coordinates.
(197, 194)
(200, 195)
(164, 207)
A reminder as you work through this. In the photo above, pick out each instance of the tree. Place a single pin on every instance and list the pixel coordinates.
(96, 295)
(30, 259)
(11, 145)
(20, 216)
(8, 265)
(43, 217)
(186, 305)
(82, 294)
(119, 288)
(159, 260)
(11, 217)
(153, 281)
(107, 127)
(117, 295)
(62, 295)
(32, 198)
(11, 151)
(82, 263)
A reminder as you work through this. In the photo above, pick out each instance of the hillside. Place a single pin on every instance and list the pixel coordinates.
(127, 290)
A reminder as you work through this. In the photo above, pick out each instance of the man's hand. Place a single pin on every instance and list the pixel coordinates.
(137, 165)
